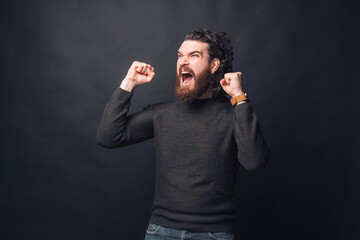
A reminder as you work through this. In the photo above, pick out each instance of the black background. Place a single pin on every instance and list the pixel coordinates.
(61, 61)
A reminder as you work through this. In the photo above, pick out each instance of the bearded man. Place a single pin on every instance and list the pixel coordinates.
(201, 138)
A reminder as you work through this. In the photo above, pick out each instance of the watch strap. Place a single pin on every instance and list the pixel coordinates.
(238, 98)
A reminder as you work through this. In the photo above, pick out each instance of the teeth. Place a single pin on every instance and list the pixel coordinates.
(185, 81)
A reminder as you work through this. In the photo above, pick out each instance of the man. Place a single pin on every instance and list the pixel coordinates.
(200, 139)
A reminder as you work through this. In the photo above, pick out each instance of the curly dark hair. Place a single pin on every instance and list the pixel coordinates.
(219, 47)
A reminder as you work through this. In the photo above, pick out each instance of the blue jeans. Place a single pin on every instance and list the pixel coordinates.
(157, 232)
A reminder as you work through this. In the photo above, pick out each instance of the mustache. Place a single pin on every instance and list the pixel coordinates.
(186, 69)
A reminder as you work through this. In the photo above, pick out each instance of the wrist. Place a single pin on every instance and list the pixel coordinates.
(127, 84)
(237, 93)
(237, 99)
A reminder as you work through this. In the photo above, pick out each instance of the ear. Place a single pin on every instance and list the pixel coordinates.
(215, 64)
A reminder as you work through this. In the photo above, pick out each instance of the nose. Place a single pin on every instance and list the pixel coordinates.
(183, 61)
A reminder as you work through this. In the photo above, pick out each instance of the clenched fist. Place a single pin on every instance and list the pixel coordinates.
(139, 73)
(232, 83)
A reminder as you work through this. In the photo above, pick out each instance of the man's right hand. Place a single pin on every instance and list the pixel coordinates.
(139, 73)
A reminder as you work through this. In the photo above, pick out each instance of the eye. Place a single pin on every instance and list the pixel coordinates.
(195, 55)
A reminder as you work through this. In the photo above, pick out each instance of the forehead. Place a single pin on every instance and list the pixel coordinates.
(192, 45)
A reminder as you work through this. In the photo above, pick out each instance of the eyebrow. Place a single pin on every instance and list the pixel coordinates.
(196, 51)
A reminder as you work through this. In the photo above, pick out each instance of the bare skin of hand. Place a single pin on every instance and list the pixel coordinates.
(138, 74)
(232, 83)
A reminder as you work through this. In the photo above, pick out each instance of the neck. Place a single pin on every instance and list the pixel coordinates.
(207, 94)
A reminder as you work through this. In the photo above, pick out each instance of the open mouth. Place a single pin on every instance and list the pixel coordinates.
(186, 78)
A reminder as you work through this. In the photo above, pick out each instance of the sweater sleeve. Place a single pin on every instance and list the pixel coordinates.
(253, 152)
(117, 129)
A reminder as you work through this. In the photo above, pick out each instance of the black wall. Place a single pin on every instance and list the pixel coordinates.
(61, 61)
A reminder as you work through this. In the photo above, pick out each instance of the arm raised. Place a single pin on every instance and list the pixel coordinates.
(253, 152)
(116, 128)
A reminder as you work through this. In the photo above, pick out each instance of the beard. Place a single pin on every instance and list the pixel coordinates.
(202, 82)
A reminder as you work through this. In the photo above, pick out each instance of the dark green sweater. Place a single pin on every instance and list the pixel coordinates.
(198, 149)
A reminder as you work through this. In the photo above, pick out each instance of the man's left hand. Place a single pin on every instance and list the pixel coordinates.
(232, 83)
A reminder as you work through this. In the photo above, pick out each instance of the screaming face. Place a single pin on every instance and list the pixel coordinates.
(189, 86)
(193, 75)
